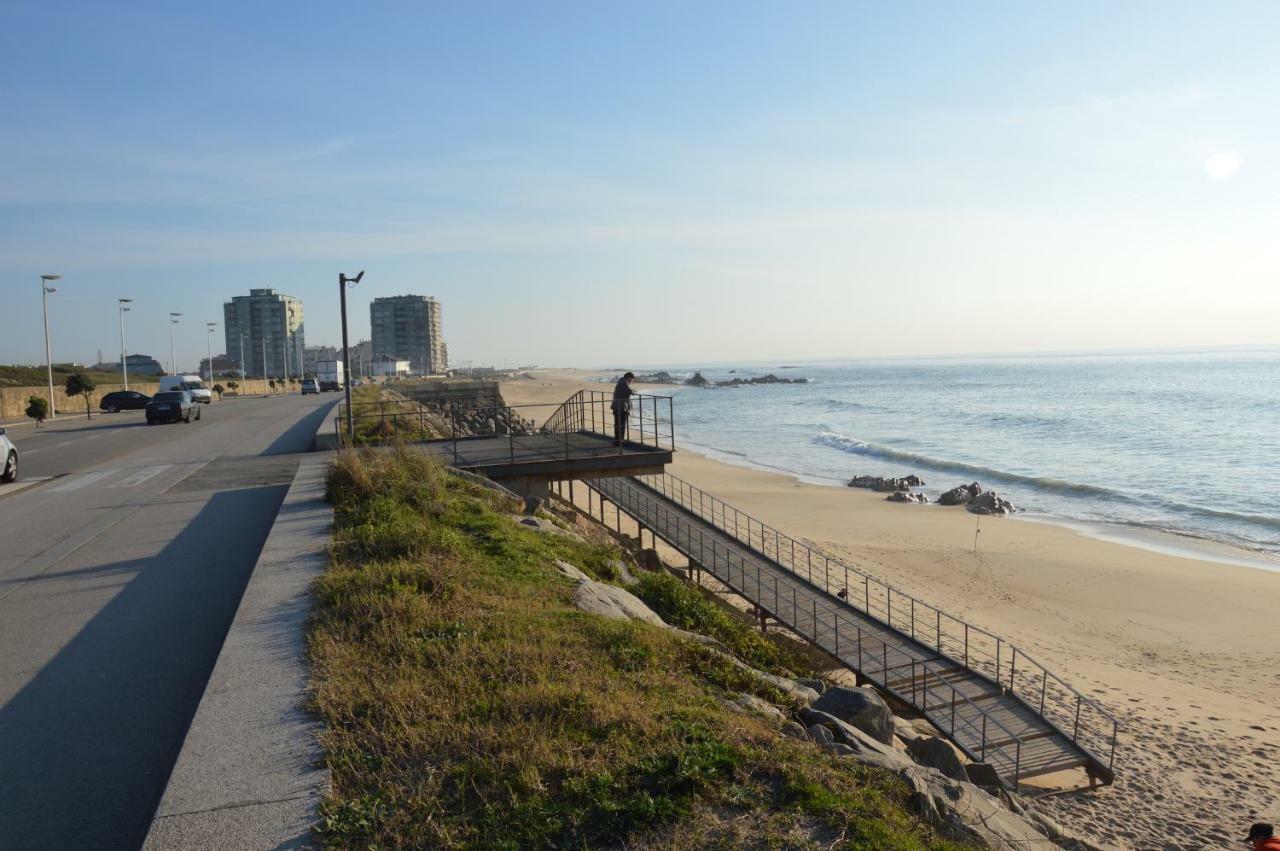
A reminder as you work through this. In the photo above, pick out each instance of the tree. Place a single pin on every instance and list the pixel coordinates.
(219, 389)
(79, 384)
(37, 409)
(232, 385)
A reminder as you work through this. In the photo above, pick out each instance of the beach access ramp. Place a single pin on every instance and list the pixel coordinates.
(992, 700)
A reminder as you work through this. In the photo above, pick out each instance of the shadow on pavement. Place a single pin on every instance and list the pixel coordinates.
(86, 747)
(301, 435)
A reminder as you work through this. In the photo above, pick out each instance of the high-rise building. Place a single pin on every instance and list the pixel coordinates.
(266, 323)
(408, 327)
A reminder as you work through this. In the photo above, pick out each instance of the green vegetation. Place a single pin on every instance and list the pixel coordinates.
(37, 409)
(469, 704)
(38, 376)
(79, 384)
(219, 389)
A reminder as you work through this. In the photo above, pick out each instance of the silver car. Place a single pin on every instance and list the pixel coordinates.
(8, 459)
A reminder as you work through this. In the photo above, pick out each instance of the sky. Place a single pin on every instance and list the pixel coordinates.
(608, 184)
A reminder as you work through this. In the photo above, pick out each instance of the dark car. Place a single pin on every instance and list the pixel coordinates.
(172, 405)
(124, 400)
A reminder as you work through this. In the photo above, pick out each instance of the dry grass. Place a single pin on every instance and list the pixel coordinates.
(468, 704)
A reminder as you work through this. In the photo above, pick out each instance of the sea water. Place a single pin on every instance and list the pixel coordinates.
(1185, 444)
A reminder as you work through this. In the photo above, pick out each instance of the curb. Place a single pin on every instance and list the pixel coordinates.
(250, 773)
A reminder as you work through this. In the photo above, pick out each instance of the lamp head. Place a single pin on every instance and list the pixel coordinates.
(355, 280)
(124, 300)
(50, 277)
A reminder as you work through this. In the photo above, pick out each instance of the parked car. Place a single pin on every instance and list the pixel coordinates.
(310, 385)
(124, 400)
(8, 459)
(191, 383)
(172, 405)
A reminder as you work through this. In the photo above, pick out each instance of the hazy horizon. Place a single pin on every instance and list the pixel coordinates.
(585, 185)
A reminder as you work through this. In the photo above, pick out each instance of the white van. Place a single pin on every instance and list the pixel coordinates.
(191, 383)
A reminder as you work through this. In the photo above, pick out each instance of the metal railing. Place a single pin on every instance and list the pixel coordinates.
(650, 423)
(819, 623)
(1078, 718)
(526, 427)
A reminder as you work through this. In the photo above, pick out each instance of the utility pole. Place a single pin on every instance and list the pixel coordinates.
(343, 280)
(124, 354)
(209, 348)
(242, 387)
(264, 365)
(45, 289)
(173, 361)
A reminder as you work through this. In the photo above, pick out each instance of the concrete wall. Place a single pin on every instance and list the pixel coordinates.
(13, 400)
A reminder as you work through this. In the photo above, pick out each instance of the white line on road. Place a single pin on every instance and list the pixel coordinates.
(86, 479)
(140, 476)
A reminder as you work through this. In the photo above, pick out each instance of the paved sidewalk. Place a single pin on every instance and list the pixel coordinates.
(250, 772)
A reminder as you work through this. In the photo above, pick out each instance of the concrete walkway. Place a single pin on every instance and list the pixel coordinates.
(250, 773)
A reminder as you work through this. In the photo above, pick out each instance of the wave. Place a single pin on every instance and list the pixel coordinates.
(1039, 483)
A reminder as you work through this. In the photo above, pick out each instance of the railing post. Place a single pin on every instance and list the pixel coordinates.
(1075, 733)
(860, 665)
(866, 590)
(835, 616)
(913, 617)
(815, 623)
(938, 612)
(966, 645)
(1013, 666)
(1044, 685)
(888, 597)
(983, 752)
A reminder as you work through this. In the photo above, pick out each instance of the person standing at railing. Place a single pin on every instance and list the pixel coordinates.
(621, 406)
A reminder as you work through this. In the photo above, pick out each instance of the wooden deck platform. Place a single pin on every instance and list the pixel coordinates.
(555, 457)
(982, 718)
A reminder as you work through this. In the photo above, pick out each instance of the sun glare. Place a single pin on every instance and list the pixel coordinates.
(1223, 164)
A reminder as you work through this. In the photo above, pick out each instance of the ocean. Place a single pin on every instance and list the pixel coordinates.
(1158, 449)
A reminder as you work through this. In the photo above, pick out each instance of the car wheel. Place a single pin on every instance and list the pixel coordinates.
(10, 468)
(112, 409)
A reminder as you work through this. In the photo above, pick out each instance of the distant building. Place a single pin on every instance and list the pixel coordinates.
(408, 327)
(312, 355)
(389, 367)
(143, 365)
(266, 324)
(223, 367)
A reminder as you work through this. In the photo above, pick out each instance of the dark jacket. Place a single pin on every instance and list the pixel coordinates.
(622, 394)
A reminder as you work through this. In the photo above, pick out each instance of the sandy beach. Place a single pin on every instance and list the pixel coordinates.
(1186, 652)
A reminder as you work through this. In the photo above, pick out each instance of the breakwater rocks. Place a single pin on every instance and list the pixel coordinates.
(972, 496)
(977, 500)
(700, 380)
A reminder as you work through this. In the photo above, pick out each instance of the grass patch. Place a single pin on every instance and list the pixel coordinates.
(468, 704)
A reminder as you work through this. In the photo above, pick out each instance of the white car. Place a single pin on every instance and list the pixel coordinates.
(8, 459)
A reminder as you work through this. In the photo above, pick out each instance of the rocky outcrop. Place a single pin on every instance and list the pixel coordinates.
(865, 748)
(960, 810)
(990, 503)
(883, 484)
(610, 601)
(908, 497)
(960, 495)
(753, 705)
(698, 380)
(764, 379)
(861, 707)
(542, 524)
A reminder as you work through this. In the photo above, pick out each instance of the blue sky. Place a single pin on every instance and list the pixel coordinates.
(595, 183)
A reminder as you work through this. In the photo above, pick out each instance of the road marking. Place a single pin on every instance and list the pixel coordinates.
(86, 479)
(140, 476)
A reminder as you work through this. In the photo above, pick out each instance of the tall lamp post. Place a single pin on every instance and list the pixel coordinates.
(124, 355)
(343, 281)
(45, 289)
(173, 362)
(242, 388)
(209, 347)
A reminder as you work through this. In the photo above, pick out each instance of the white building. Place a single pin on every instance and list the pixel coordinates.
(389, 367)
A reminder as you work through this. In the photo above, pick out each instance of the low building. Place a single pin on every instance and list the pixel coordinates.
(223, 367)
(143, 365)
(385, 367)
(312, 355)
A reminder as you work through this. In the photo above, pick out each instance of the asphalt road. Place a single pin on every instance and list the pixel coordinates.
(119, 577)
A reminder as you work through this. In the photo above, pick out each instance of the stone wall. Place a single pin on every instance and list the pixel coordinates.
(13, 400)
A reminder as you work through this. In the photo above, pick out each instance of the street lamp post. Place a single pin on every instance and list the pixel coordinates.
(173, 361)
(124, 355)
(343, 281)
(45, 289)
(242, 387)
(209, 348)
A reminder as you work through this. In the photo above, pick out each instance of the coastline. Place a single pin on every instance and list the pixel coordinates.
(1184, 650)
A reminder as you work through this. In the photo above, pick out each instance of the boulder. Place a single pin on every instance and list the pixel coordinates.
(812, 682)
(610, 601)
(792, 730)
(866, 749)
(624, 574)
(961, 811)
(861, 707)
(821, 734)
(698, 381)
(571, 571)
(907, 496)
(544, 525)
(839, 749)
(749, 703)
(904, 730)
(983, 774)
(886, 485)
(960, 495)
(936, 752)
(990, 503)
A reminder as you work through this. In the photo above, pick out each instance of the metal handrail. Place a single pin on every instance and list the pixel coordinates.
(591, 411)
(629, 503)
(794, 555)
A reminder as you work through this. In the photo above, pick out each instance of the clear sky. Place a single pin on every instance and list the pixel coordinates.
(608, 183)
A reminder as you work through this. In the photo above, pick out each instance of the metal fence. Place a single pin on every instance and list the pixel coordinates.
(651, 421)
(1078, 718)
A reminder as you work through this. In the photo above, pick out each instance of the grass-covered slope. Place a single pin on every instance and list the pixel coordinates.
(468, 704)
